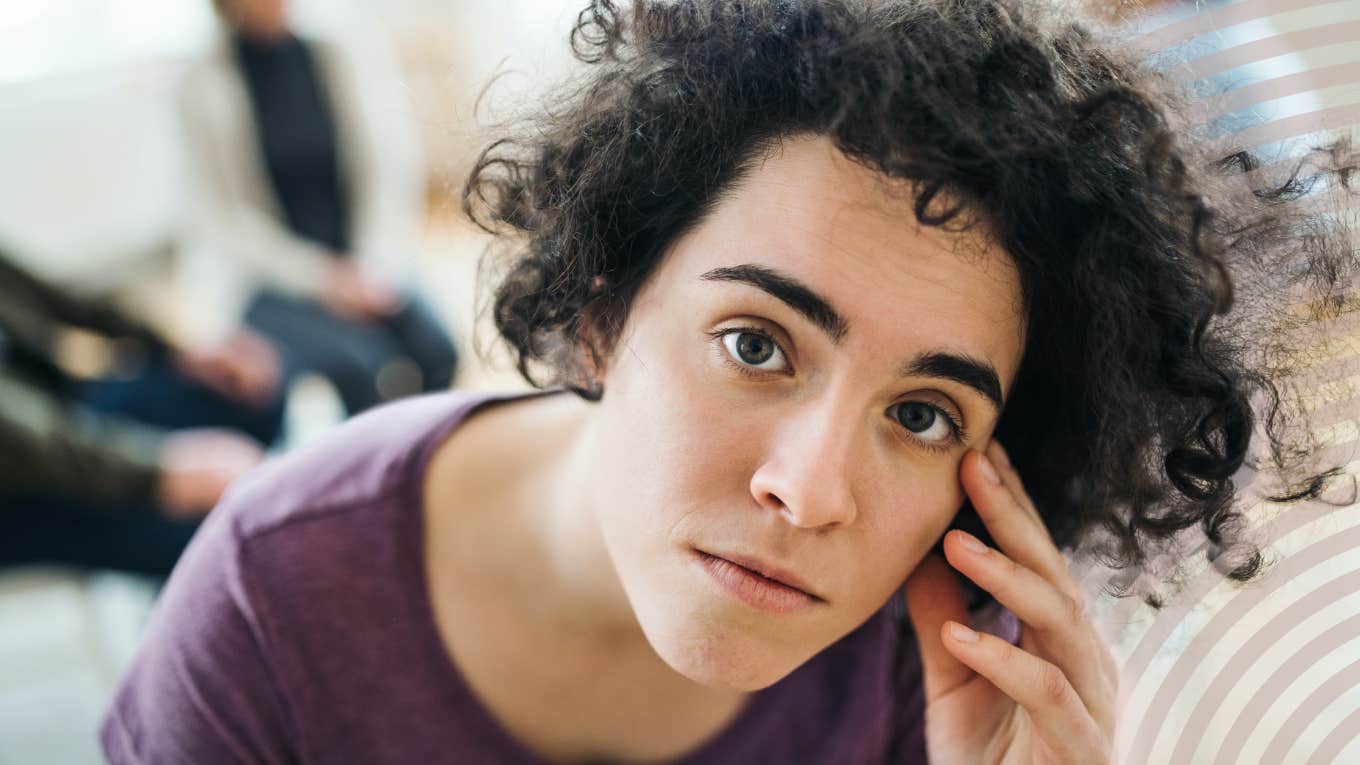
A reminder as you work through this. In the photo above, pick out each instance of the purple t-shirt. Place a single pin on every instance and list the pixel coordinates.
(297, 629)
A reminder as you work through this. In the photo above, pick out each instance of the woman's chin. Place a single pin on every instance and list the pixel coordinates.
(718, 661)
(744, 676)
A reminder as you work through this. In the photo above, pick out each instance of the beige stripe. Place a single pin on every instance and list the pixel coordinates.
(1304, 714)
(1260, 50)
(1330, 749)
(1245, 657)
(1216, 19)
(1278, 682)
(1327, 400)
(1327, 361)
(1091, 576)
(1331, 392)
(1314, 311)
(1341, 454)
(1268, 90)
(1335, 412)
(1287, 570)
(1168, 619)
(1337, 118)
(1279, 171)
(1338, 434)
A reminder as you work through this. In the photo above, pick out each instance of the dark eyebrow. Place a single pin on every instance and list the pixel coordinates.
(976, 374)
(787, 289)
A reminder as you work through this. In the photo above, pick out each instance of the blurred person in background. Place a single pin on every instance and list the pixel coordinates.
(308, 201)
(116, 473)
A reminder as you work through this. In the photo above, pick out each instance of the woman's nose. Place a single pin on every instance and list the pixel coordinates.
(806, 473)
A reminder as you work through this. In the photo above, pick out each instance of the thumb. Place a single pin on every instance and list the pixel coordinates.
(933, 597)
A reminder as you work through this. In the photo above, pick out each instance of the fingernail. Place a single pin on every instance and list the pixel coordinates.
(971, 542)
(962, 633)
(987, 469)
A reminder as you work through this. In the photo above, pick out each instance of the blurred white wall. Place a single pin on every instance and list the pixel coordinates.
(88, 141)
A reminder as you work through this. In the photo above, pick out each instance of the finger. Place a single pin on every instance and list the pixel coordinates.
(1015, 531)
(996, 452)
(934, 597)
(1060, 718)
(1011, 479)
(1057, 623)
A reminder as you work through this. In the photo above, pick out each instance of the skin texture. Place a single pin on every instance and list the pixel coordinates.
(805, 469)
(802, 464)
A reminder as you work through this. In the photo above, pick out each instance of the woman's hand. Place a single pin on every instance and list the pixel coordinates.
(245, 367)
(197, 466)
(1049, 700)
(353, 295)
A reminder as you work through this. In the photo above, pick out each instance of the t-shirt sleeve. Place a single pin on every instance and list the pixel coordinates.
(201, 688)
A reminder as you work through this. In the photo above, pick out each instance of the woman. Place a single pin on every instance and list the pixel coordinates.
(307, 198)
(803, 267)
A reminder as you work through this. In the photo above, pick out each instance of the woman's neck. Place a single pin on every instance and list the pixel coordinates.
(525, 593)
(518, 476)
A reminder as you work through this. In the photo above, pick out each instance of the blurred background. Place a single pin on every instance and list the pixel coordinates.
(178, 301)
(106, 169)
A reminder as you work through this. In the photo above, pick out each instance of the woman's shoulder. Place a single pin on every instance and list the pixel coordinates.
(297, 532)
(298, 590)
(362, 460)
(351, 501)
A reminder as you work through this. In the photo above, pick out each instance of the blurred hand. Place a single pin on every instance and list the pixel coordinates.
(198, 465)
(355, 296)
(245, 367)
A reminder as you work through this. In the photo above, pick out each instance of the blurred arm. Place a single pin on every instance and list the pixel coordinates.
(31, 312)
(55, 450)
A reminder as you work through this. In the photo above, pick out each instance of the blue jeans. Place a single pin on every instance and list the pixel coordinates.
(353, 353)
(52, 532)
(163, 397)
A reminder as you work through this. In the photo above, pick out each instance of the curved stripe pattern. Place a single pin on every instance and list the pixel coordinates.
(1268, 673)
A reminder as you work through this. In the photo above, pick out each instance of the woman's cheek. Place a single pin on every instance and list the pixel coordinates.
(920, 512)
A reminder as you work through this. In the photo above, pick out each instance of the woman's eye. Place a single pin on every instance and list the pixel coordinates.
(927, 422)
(755, 350)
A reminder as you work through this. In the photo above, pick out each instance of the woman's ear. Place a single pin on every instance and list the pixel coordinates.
(591, 340)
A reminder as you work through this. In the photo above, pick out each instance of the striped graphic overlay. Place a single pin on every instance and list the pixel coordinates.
(1270, 672)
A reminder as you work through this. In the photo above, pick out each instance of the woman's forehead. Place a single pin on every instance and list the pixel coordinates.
(808, 200)
(810, 214)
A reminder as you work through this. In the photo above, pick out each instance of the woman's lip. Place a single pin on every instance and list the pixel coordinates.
(753, 589)
(767, 571)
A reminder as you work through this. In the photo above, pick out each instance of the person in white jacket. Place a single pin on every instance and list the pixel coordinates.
(307, 191)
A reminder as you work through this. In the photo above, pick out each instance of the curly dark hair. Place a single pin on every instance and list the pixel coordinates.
(1144, 382)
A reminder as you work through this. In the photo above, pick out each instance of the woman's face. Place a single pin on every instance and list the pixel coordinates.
(785, 388)
(258, 18)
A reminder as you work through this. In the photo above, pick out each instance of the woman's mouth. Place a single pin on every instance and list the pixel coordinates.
(754, 589)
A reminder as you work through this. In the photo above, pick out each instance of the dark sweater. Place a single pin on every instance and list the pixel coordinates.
(297, 133)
